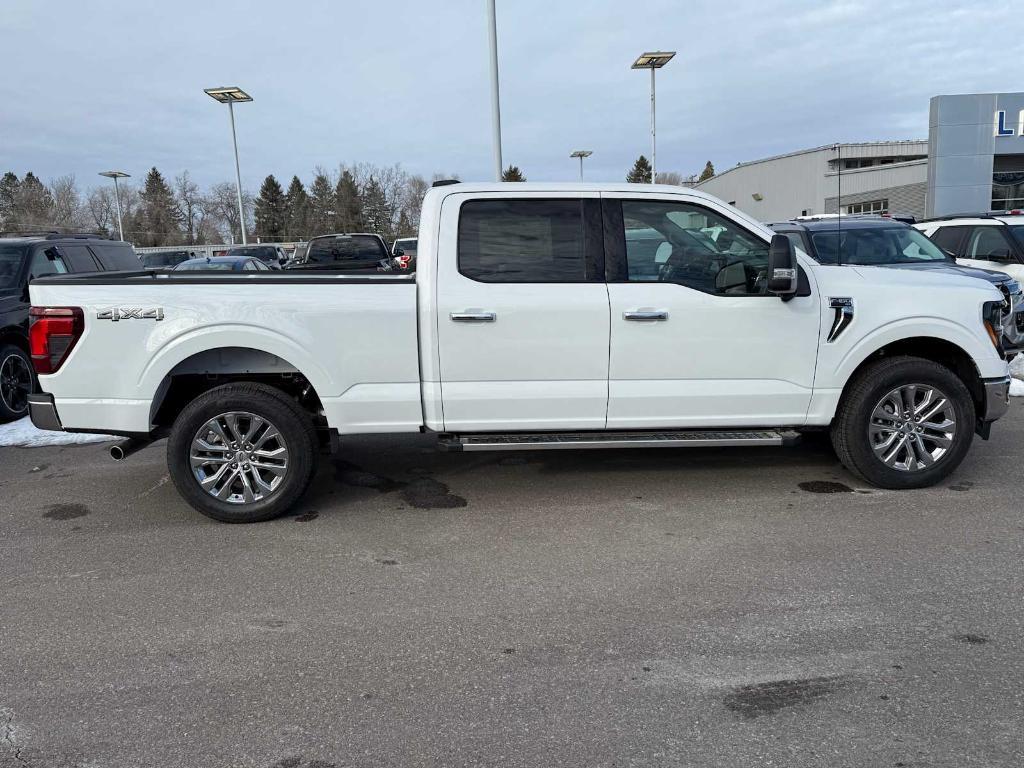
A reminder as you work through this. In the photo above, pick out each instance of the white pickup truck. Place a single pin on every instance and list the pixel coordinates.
(541, 316)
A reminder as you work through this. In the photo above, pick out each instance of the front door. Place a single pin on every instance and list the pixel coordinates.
(522, 313)
(696, 341)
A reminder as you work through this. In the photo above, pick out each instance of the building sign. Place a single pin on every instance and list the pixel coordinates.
(1002, 129)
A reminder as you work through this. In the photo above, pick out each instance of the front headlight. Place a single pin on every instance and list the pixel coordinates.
(991, 316)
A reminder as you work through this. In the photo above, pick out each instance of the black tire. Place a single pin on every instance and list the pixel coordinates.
(850, 428)
(17, 381)
(297, 433)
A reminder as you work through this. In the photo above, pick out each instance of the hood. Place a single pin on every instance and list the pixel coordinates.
(951, 268)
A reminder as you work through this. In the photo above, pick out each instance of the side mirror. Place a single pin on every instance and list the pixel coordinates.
(398, 252)
(782, 271)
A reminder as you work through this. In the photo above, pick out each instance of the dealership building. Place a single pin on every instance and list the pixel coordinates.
(973, 160)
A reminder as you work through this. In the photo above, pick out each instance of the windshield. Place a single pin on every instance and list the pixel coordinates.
(223, 266)
(875, 246)
(10, 264)
(263, 253)
(345, 248)
(165, 259)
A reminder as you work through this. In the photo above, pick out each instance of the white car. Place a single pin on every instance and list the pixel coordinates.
(536, 320)
(990, 240)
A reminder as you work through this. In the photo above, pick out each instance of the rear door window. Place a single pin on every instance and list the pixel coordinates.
(523, 241)
(115, 256)
(79, 258)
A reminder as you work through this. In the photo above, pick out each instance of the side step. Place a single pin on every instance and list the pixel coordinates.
(540, 441)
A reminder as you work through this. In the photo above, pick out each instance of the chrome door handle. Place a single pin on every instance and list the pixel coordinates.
(646, 314)
(473, 317)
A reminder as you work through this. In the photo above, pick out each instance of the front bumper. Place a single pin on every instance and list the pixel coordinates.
(43, 412)
(997, 398)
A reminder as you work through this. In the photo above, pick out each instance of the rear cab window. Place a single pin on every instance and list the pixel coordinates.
(345, 248)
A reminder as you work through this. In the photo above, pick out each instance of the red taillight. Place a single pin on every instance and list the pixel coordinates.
(52, 335)
(403, 261)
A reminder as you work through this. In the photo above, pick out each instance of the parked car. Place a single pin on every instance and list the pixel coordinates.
(223, 264)
(989, 240)
(403, 254)
(358, 252)
(166, 259)
(23, 259)
(886, 242)
(532, 323)
(271, 255)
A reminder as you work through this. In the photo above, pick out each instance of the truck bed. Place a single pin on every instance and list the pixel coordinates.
(352, 337)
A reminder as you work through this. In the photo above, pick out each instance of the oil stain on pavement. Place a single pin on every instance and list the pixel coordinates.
(750, 701)
(420, 493)
(824, 486)
(66, 511)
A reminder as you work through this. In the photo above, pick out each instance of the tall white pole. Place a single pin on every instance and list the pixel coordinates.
(581, 168)
(238, 174)
(654, 144)
(492, 24)
(117, 200)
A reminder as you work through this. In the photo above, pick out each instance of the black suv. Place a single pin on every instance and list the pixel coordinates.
(878, 241)
(23, 259)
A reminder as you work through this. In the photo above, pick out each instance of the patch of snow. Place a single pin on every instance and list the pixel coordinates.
(1016, 388)
(1017, 367)
(23, 434)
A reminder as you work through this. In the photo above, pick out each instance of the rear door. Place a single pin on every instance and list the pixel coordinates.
(696, 340)
(522, 313)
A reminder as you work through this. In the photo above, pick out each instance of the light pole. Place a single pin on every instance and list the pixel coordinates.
(581, 153)
(115, 175)
(492, 29)
(652, 61)
(230, 96)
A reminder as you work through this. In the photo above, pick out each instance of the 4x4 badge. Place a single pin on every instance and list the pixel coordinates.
(130, 313)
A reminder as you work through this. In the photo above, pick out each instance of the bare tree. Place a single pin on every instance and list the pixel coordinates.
(99, 205)
(66, 202)
(221, 208)
(189, 202)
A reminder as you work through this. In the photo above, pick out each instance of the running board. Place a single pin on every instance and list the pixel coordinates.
(542, 441)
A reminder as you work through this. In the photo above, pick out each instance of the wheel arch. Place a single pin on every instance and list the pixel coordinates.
(14, 334)
(212, 367)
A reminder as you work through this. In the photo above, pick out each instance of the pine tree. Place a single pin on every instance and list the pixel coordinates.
(347, 203)
(8, 200)
(33, 204)
(376, 213)
(158, 221)
(707, 173)
(321, 204)
(512, 173)
(271, 213)
(296, 203)
(640, 173)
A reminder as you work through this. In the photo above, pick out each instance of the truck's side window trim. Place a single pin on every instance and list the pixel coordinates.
(590, 246)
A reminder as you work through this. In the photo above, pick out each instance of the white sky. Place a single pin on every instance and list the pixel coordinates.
(90, 85)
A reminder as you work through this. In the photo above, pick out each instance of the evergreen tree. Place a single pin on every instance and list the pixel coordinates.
(376, 213)
(512, 173)
(296, 203)
(158, 220)
(271, 210)
(707, 173)
(33, 204)
(321, 204)
(9, 185)
(347, 203)
(641, 172)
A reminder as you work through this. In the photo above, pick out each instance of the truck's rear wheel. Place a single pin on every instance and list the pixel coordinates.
(242, 453)
(904, 422)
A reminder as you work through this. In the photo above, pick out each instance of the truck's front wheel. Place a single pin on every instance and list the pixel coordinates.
(242, 453)
(904, 422)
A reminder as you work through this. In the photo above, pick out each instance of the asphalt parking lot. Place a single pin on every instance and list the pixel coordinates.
(602, 608)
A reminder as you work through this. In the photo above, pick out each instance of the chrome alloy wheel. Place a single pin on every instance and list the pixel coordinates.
(15, 383)
(912, 427)
(239, 457)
